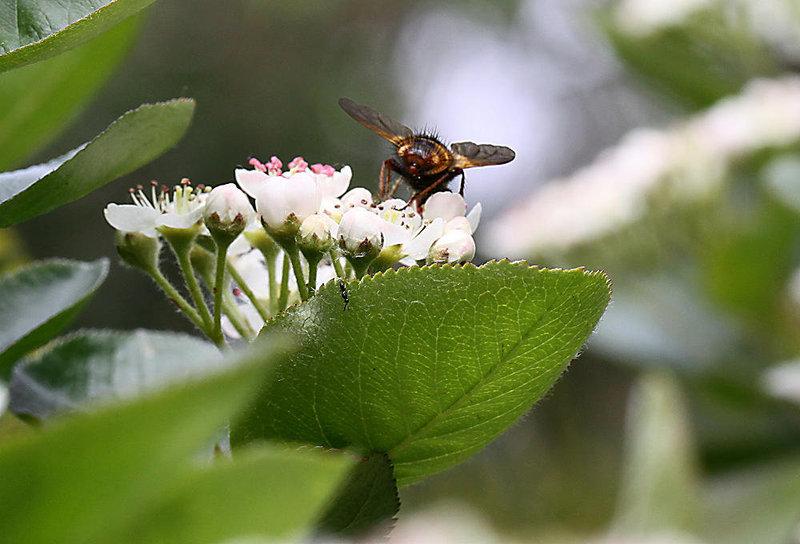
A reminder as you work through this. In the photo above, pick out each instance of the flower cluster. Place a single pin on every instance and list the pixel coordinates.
(685, 163)
(307, 227)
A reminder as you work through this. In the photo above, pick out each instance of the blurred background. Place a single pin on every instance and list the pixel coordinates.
(658, 140)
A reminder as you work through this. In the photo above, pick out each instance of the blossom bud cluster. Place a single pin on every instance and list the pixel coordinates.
(305, 220)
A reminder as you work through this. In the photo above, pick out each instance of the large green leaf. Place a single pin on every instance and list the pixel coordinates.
(131, 141)
(38, 301)
(37, 101)
(72, 372)
(269, 491)
(82, 478)
(428, 365)
(33, 30)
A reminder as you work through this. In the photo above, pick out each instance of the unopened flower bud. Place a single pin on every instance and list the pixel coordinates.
(227, 212)
(360, 237)
(317, 233)
(138, 250)
(455, 246)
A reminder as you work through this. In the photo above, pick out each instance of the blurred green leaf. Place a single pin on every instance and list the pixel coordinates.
(89, 366)
(273, 492)
(37, 101)
(660, 488)
(33, 30)
(366, 504)
(80, 480)
(428, 365)
(759, 504)
(38, 301)
(697, 62)
(131, 141)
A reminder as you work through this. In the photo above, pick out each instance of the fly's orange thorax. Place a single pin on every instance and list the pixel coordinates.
(424, 156)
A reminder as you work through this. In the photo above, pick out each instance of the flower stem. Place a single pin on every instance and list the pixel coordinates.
(187, 269)
(313, 264)
(284, 296)
(236, 318)
(294, 256)
(262, 311)
(337, 265)
(177, 298)
(273, 282)
(219, 289)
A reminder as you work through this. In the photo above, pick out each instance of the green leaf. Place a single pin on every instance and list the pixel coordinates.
(366, 504)
(72, 372)
(37, 101)
(757, 504)
(33, 30)
(80, 479)
(428, 365)
(38, 301)
(273, 492)
(660, 489)
(131, 141)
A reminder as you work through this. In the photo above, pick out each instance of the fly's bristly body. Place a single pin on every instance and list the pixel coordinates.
(420, 158)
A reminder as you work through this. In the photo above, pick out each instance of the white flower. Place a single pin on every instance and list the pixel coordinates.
(181, 208)
(360, 233)
(783, 381)
(683, 164)
(451, 207)
(227, 205)
(406, 237)
(332, 183)
(645, 16)
(280, 199)
(455, 246)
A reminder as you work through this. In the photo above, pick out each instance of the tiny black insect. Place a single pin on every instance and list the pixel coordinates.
(420, 158)
(343, 291)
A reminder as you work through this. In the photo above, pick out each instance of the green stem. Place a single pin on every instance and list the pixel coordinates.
(236, 318)
(177, 298)
(284, 296)
(187, 269)
(219, 289)
(273, 282)
(265, 315)
(313, 264)
(337, 265)
(294, 256)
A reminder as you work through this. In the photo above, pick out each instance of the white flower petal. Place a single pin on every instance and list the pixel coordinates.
(176, 220)
(358, 196)
(132, 218)
(418, 247)
(474, 217)
(445, 205)
(335, 185)
(251, 180)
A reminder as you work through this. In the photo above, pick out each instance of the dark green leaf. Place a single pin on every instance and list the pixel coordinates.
(131, 141)
(38, 301)
(80, 479)
(33, 30)
(428, 365)
(88, 366)
(367, 502)
(37, 101)
(271, 492)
